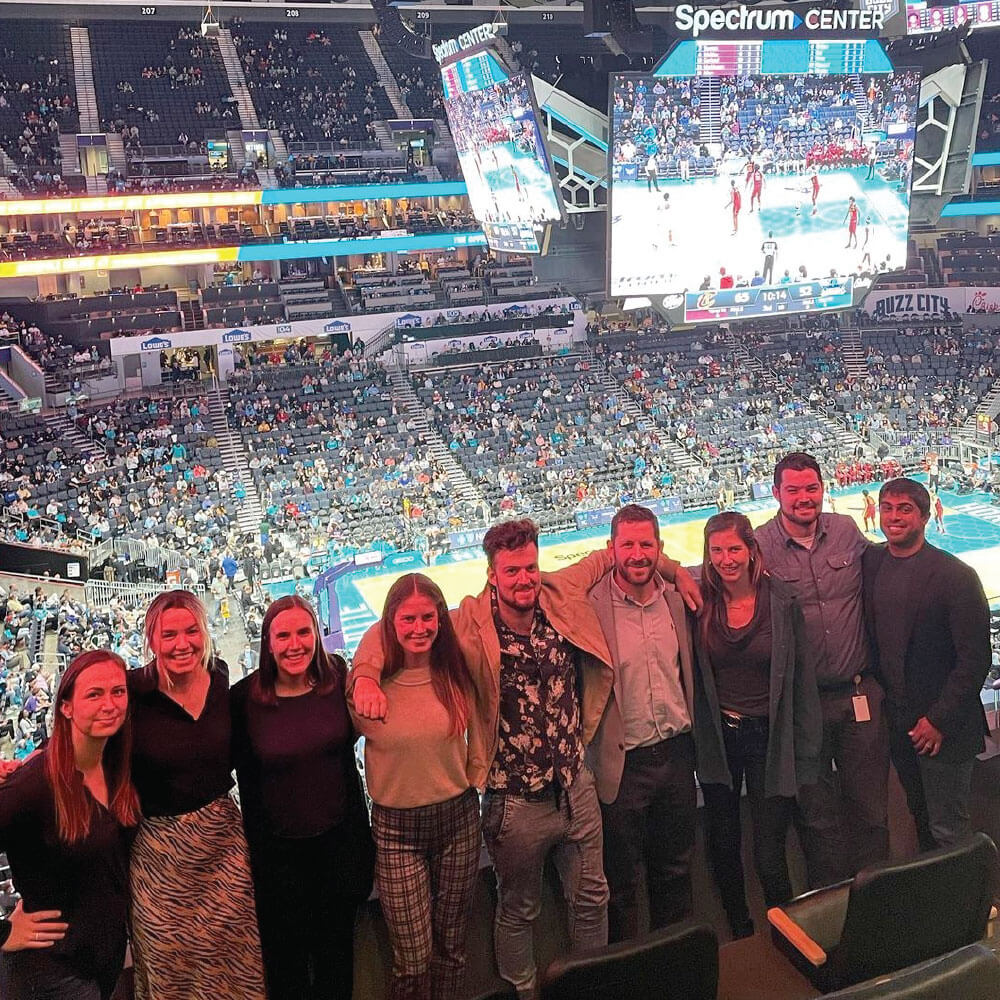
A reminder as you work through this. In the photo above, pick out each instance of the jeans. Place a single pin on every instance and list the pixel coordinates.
(843, 820)
(770, 818)
(651, 826)
(519, 834)
(34, 975)
(937, 791)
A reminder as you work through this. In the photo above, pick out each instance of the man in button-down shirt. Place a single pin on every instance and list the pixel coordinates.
(843, 819)
(523, 638)
(643, 752)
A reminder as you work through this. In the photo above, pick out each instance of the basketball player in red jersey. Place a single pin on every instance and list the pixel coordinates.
(852, 224)
(815, 189)
(758, 186)
(735, 202)
(750, 168)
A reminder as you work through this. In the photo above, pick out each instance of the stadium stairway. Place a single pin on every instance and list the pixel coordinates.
(192, 316)
(249, 512)
(237, 81)
(861, 104)
(989, 404)
(278, 144)
(62, 428)
(406, 397)
(711, 103)
(853, 353)
(83, 74)
(69, 153)
(385, 75)
(237, 150)
(747, 360)
(677, 455)
(117, 159)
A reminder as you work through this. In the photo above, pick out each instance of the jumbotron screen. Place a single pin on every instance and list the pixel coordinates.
(743, 190)
(495, 128)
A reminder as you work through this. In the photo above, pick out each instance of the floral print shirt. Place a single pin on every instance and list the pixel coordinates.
(541, 735)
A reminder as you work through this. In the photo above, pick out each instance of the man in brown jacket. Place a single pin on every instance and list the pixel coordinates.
(523, 638)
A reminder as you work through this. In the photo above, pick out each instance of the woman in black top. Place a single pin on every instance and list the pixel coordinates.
(65, 822)
(303, 808)
(193, 929)
(757, 713)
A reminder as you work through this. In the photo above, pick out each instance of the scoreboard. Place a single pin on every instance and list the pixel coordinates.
(774, 57)
(729, 59)
(836, 58)
(745, 303)
(474, 72)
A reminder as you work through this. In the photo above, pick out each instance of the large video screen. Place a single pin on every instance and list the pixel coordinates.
(493, 122)
(753, 192)
(923, 18)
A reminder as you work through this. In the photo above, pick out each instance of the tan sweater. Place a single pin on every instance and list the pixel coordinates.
(411, 759)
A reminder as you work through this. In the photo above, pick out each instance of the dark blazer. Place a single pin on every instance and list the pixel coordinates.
(947, 621)
(795, 715)
(606, 752)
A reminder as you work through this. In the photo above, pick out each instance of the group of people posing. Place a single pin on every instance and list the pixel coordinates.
(582, 702)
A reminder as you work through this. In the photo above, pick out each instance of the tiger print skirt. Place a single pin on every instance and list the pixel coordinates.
(194, 929)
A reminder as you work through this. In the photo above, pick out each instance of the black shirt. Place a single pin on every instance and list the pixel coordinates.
(891, 593)
(741, 659)
(294, 761)
(86, 881)
(179, 764)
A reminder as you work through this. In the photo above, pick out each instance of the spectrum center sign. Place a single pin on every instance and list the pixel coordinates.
(743, 20)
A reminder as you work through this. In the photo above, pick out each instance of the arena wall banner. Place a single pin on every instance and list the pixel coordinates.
(933, 302)
(603, 515)
(469, 538)
(552, 341)
(362, 327)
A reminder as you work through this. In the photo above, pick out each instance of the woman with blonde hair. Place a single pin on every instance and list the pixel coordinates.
(304, 811)
(426, 814)
(194, 930)
(66, 818)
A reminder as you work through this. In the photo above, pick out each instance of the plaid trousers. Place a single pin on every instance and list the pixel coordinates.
(426, 861)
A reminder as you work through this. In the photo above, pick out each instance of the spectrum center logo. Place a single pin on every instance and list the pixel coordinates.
(695, 20)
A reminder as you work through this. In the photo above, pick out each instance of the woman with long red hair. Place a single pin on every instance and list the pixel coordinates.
(66, 817)
(426, 813)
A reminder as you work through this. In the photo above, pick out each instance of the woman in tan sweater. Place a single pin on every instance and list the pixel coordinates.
(426, 814)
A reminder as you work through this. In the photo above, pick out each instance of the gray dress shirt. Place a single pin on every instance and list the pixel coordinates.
(827, 581)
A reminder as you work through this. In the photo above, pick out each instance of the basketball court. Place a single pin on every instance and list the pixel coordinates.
(670, 249)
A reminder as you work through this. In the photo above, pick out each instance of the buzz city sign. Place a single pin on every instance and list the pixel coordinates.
(741, 20)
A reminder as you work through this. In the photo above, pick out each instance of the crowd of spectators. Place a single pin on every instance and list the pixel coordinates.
(334, 458)
(542, 437)
(36, 93)
(162, 84)
(311, 84)
(25, 691)
(214, 179)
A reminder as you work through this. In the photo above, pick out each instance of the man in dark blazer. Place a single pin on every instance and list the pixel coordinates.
(930, 626)
(642, 753)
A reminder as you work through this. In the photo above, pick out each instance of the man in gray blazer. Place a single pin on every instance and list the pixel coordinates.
(642, 754)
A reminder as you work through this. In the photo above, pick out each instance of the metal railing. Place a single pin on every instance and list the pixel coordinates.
(99, 593)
